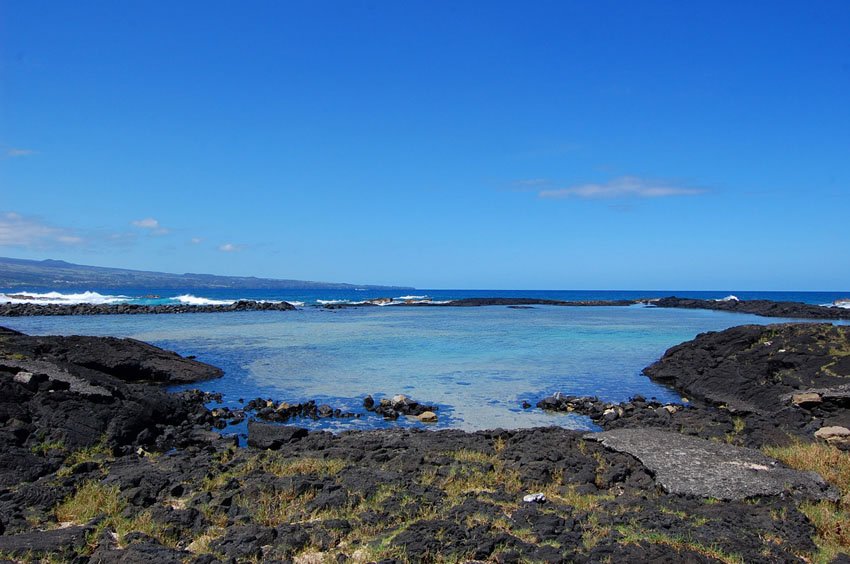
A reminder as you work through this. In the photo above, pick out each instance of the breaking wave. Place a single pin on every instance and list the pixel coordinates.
(62, 299)
(189, 299)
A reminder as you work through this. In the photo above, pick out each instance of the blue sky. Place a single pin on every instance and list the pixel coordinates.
(549, 145)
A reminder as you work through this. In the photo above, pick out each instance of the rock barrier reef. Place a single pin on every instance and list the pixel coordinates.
(765, 308)
(31, 309)
(98, 463)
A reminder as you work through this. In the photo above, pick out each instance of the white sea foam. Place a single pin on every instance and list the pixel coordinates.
(61, 299)
(331, 302)
(408, 298)
(842, 303)
(295, 303)
(729, 298)
(189, 299)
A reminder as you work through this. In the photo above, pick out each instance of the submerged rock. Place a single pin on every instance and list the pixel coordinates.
(400, 404)
(427, 417)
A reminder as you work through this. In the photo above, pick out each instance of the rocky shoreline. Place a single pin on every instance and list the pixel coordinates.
(98, 463)
(33, 309)
(765, 308)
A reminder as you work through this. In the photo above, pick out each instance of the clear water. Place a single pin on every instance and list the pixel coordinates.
(476, 364)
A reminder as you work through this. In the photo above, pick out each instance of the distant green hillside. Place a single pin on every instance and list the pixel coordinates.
(57, 274)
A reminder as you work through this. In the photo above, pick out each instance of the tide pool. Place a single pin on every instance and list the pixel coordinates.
(476, 364)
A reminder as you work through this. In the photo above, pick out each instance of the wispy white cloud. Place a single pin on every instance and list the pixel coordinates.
(30, 232)
(151, 225)
(196, 240)
(14, 152)
(622, 187)
(230, 248)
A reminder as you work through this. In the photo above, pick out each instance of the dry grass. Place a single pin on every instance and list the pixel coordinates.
(274, 463)
(592, 532)
(831, 520)
(570, 497)
(95, 453)
(94, 499)
(833, 527)
(275, 508)
(89, 501)
(469, 456)
(826, 460)
(281, 465)
(46, 447)
(637, 535)
(464, 480)
(201, 544)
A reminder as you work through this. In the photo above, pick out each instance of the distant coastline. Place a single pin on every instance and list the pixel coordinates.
(57, 274)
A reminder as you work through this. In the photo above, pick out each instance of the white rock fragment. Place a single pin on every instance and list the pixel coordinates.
(23, 377)
(834, 435)
(534, 498)
(399, 398)
(806, 398)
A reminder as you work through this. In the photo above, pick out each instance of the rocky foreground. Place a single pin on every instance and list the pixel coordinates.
(99, 464)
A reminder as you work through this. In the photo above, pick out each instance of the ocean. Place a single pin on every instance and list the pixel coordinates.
(305, 297)
(477, 365)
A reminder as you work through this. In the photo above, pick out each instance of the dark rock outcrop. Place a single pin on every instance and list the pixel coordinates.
(62, 542)
(758, 369)
(58, 394)
(281, 412)
(30, 309)
(765, 308)
(127, 360)
(270, 436)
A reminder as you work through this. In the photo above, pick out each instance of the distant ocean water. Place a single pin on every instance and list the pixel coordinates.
(476, 364)
(154, 296)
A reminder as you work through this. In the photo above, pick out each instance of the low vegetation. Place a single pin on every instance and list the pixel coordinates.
(94, 499)
(832, 520)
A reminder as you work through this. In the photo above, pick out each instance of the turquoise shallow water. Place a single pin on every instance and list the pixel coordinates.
(476, 364)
